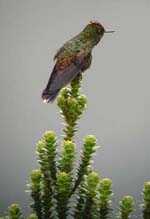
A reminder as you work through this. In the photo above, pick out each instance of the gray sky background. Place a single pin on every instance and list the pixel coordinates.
(117, 87)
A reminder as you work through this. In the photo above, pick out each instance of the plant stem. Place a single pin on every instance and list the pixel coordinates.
(71, 104)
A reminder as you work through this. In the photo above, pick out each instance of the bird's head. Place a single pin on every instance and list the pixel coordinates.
(94, 31)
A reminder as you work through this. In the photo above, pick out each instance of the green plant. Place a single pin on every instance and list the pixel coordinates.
(146, 200)
(105, 195)
(126, 207)
(14, 212)
(62, 189)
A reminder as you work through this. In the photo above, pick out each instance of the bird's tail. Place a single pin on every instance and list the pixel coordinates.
(49, 96)
(50, 93)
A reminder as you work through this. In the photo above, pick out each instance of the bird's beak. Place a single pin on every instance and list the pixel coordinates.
(109, 31)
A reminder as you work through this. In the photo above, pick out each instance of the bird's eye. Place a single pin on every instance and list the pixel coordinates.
(99, 31)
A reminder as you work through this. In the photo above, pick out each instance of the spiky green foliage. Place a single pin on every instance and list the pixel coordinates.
(32, 216)
(64, 186)
(72, 104)
(105, 197)
(62, 190)
(14, 212)
(89, 148)
(35, 192)
(81, 200)
(92, 206)
(126, 206)
(47, 155)
(66, 163)
(146, 200)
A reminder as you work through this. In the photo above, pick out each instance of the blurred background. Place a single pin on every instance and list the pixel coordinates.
(117, 87)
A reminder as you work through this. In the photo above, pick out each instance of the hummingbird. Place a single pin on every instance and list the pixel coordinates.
(73, 58)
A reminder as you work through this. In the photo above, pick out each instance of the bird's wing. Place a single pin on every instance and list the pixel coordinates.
(61, 77)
